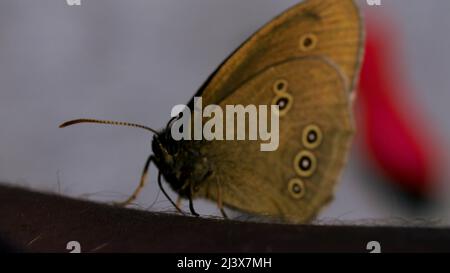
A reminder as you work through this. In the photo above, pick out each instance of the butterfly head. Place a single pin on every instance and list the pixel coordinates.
(180, 162)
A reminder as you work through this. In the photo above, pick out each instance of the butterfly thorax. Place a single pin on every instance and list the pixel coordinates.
(181, 163)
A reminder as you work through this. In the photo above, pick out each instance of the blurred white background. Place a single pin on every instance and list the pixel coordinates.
(133, 60)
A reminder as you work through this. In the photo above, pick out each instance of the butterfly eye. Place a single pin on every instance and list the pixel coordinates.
(305, 163)
(284, 102)
(280, 86)
(296, 188)
(312, 136)
(308, 42)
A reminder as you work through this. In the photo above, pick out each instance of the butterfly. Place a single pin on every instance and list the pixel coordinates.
(306, 61)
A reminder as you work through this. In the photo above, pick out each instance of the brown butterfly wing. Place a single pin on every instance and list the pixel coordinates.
(330, 28)
(261, 182)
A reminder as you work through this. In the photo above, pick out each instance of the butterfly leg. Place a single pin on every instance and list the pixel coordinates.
(178, 203)
(141, 184)
(191, 203)
(166, 195)
(191, 207)
(219, 200)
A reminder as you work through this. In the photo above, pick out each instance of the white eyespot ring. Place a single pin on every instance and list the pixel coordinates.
(296, 188)
(284, 102)
(305, 163)
(280, 86)
(312, 136)
(308, 42)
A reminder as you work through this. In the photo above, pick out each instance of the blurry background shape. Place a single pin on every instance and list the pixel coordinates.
(396, 137)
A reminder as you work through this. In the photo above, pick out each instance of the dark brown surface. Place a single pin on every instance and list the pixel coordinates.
(36, 222)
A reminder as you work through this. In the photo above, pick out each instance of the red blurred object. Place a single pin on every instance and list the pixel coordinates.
(393, 136)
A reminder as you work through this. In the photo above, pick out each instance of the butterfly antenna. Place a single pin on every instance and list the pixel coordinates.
(108, 122)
